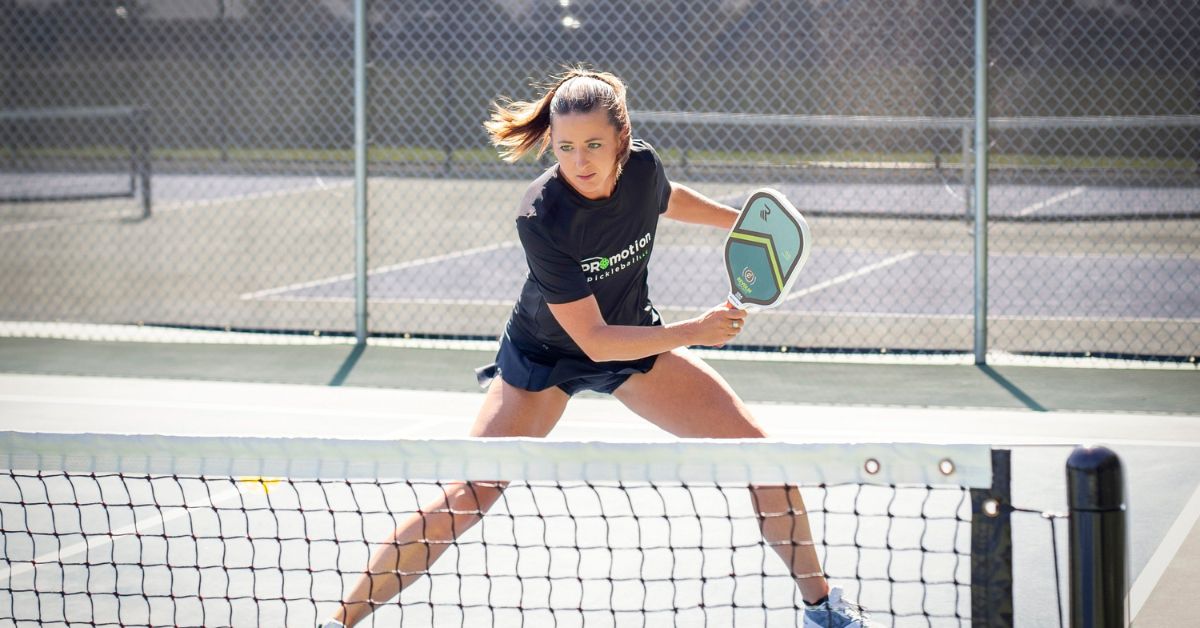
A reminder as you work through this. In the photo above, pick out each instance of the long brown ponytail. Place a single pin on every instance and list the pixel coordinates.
(518, 127)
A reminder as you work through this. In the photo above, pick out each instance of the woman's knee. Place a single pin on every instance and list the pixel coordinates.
(472, 497)
(483, 495)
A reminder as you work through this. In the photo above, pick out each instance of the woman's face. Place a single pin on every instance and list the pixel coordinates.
(585, 145)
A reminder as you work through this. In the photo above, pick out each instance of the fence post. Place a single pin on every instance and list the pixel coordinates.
(981, 175)
(360, 171)
(1099, 591)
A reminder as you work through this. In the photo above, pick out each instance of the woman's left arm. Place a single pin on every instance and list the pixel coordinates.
(688, 205)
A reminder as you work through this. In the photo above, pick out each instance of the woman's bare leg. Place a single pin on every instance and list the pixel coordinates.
(418, 542)
(686, 397)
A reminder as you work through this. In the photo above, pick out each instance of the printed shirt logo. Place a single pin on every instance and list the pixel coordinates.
(599, 268)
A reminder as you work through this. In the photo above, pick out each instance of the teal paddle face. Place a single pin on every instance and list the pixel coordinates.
(765, 250)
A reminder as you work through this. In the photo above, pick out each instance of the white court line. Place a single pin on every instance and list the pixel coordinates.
(383, 269)
(192, 405)
(61, 222)
(895, 259)
(1057, 198)
(110, 537)
(272, 292)
(1168, 548)
(320, 186)
(635, 429)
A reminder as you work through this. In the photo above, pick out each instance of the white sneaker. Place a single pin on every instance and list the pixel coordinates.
(837, 612)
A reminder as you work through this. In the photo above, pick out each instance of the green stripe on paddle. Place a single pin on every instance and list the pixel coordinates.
(770, 246)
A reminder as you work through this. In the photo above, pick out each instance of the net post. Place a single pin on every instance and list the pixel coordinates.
(1099, 591)
(991, 548)
(141, 124)
(132, 141)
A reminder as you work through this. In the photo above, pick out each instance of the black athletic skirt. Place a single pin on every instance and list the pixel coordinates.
(538, 370)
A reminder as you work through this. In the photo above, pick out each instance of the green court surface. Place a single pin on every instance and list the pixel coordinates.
(1034, 388)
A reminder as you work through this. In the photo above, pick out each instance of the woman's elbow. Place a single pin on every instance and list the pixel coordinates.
(597, 352)
(594, 346)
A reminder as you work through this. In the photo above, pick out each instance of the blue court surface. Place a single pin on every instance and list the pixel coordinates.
(910, 283)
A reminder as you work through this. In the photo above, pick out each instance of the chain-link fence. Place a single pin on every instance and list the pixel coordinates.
(1105, 256)
(238, 115)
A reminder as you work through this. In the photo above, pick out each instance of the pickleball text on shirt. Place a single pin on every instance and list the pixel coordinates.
(603, 267)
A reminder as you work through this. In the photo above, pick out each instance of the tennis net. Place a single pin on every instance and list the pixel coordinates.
(191, 531)
(74, 154)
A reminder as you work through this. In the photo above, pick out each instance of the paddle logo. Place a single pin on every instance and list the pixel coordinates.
(746, 280)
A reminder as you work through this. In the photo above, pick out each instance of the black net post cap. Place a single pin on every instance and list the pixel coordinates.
(1094, 480)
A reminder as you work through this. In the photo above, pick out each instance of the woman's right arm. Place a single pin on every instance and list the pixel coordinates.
(602, 342)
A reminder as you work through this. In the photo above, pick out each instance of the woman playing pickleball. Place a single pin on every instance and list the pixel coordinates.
(584, 321)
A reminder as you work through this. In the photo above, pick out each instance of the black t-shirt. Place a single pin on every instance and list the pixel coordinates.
(577, 247)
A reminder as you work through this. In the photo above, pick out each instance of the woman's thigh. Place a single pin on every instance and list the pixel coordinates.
(686, 397)
(511, 411)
